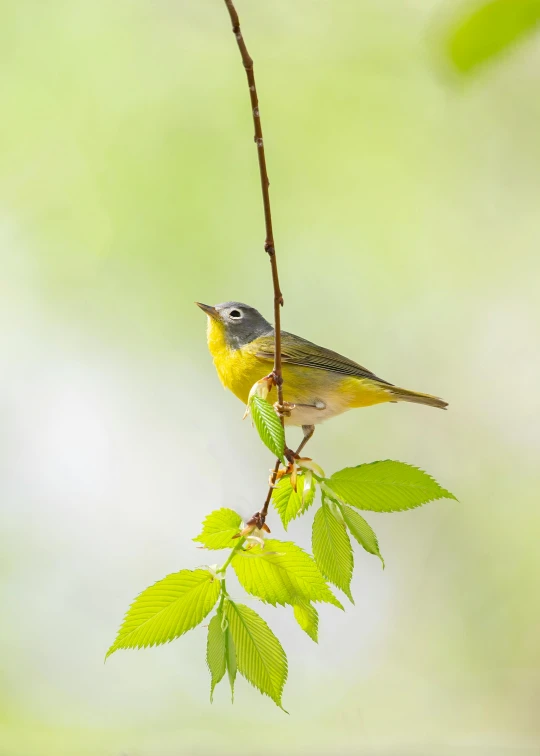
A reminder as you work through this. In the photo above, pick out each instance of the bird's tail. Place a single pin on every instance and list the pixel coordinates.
(403, 395)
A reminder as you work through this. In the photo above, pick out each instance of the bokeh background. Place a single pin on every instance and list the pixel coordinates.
(406, 211)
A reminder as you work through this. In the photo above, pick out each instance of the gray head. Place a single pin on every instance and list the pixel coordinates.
(241, 323)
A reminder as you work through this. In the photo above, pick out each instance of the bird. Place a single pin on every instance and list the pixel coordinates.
(318, 383)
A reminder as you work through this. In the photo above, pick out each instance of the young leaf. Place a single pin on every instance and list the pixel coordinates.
(168, 609)
(288, 502)
(332, 548)
(268, 425)
(230, 655)
(281, 573)
(308, 618)
(360, 530)
(385, 487)
(216, 652)
(220, 652)
(489, 30)
(219, 527)
(261, 659)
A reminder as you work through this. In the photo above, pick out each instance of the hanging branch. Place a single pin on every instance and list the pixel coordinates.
(269, 246)
(239, 640)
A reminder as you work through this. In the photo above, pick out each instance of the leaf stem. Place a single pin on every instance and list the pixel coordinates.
(237, 546)
(224, 594)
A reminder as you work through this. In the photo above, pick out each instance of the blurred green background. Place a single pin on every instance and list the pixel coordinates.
(406, 214)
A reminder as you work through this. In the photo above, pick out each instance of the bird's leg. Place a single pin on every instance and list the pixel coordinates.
(308, 430)
(285, 410)
(291, 455)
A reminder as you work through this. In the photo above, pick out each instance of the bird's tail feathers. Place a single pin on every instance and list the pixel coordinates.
(404, 395)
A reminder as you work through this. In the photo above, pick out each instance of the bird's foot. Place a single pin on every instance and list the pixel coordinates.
(285, 409)
(290, 455)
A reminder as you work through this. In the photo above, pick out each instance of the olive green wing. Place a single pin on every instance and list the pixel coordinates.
(298, 351)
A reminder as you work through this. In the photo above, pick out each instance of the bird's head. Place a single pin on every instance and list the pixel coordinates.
(237, 323)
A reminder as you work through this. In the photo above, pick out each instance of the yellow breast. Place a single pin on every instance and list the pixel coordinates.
(237, 369)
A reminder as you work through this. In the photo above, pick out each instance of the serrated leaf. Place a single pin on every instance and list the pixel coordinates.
(261, 659)
(308, 618)
(168, 609)
(288, 502)
(332, 548)
(216, 652)
(361, 530)
(385, 487)
(219, 528)
(268, 425)
(281, 573)
(230, 653)
(490, 30)
(220, 652)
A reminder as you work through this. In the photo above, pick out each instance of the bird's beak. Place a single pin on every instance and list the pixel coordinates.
(209, 310)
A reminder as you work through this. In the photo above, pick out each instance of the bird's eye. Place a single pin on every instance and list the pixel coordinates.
(235, 314)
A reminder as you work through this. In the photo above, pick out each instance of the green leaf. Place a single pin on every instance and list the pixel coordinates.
(308, 618)
(489, 30)
(216, 652)
(261, 659)
(288, 502)
(219, 527)
(268, 425)
(384, 487)
(332, 548)
(230, 653)
(360, 530)
(220, 652)
(281, 573)
(168, 609)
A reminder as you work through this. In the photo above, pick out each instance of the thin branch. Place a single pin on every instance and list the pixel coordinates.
(269, 245)
(266, 504)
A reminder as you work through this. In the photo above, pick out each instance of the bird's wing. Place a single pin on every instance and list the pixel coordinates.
(298, 351)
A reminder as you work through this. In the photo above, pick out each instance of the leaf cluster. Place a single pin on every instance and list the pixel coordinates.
(273, 571)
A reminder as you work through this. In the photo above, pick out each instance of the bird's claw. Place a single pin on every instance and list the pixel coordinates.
(285, 409)
(290, 455)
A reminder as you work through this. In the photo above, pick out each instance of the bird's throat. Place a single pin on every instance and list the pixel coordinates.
(238, 369)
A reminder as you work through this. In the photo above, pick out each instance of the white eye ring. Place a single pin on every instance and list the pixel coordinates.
(236, 314)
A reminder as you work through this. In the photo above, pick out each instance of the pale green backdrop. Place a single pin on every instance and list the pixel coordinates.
(406, 208)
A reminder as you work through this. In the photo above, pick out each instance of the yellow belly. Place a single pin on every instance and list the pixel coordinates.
(239, 369)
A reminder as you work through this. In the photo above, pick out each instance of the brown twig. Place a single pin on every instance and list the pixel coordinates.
(269, 245)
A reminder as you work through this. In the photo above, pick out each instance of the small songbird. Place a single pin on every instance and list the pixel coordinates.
(317, 383)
